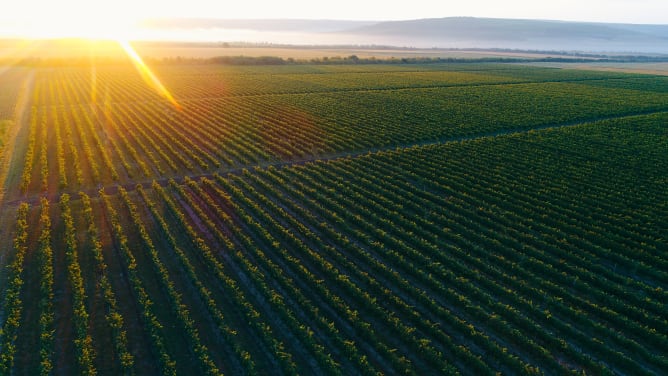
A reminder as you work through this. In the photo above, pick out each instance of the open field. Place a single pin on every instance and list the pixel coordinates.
(641, 68)
(75, 48)
(333, 219)
(317, 52)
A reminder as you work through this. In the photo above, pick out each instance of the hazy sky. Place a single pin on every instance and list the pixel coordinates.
(117, 19)
(633, 11)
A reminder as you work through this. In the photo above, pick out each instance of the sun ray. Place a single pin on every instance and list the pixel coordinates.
(93, 84)
(147, 74)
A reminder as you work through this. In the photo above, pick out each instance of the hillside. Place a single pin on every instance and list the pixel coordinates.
(453, 32)
(521, 34)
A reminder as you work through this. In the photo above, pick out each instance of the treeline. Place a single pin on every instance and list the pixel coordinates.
(351, 59)
(241, 60)
(354, 59)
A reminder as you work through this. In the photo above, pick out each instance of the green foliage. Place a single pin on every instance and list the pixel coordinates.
(4, 126)
(343, 219)
(46, 314)
(83, 341)
(13, 305)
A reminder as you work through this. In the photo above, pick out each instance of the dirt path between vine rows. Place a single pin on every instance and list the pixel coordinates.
(20, 117)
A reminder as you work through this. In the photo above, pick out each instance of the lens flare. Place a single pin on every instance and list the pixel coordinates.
(147, 74)
(93, 84)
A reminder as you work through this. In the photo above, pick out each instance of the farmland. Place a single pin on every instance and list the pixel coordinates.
(333, 219)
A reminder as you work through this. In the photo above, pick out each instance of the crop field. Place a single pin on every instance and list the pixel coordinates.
(333, 219)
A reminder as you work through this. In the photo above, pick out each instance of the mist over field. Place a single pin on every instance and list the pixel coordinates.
(453, 32)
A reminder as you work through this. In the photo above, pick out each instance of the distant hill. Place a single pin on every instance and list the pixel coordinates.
(452, 32)
(520, 34)
(279, 25)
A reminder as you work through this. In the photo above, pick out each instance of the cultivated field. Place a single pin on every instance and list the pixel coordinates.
(76, 49)
(643, 68)
(333, 219)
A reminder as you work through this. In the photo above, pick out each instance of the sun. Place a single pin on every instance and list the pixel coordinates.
(73, 19)
(114, 28)
(92, 20)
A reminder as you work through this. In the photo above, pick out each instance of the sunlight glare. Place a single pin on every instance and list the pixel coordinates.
(93, 84)
(73, 25)
(147, 74)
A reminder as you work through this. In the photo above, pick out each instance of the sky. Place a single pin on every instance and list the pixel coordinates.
(51, 17)
(635, 11)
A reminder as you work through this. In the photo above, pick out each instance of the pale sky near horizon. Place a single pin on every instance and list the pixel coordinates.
(631, 11)
(46, 17)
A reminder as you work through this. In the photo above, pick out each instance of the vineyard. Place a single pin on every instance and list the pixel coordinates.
(333, 219)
